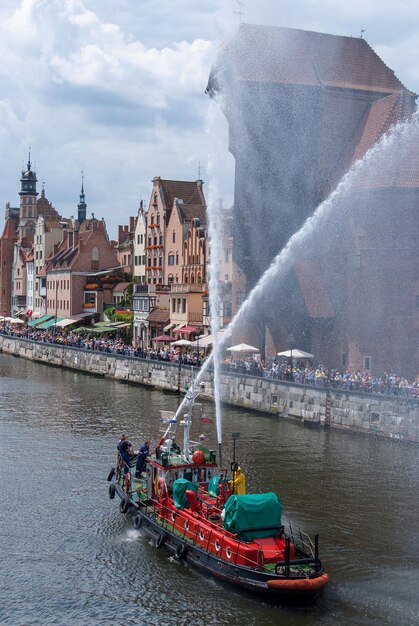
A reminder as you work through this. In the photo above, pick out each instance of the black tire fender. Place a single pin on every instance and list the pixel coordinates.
(138, 521)
(180, 551)
(111, 491)
(111, 474)
(160, 540)
(124, 506)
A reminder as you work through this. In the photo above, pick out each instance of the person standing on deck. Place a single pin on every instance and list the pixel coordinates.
(143, 453)
(238, 485)
(124, 448)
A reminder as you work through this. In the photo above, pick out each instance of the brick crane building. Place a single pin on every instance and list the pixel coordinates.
(302, 107)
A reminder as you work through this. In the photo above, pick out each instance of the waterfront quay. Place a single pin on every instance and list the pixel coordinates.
(395, 417)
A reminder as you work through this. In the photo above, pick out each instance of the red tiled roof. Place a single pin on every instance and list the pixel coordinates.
(188, 191)
(189, 212)
(159, 315)
(396, 166)
(9, 231)
(293, 56)
(313, 289)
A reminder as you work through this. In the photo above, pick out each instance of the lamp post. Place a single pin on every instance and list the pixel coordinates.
(234, 465)
(197, 348)
(291, 346)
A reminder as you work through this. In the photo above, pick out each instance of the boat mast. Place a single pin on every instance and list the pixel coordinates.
(187, 421)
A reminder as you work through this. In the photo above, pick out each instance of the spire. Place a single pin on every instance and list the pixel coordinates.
(82, 206)
(43, 189)
(29, 158)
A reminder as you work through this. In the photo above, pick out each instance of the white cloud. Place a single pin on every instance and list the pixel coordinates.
(117, 88)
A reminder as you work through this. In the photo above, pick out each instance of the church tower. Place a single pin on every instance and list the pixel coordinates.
(82, 206)
(28, 207)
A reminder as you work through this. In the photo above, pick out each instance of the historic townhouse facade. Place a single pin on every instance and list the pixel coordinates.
(139, 256)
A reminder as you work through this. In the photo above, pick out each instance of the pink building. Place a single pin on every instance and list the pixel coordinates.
(160, 241)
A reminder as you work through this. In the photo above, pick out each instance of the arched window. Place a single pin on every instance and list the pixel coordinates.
(95, 258)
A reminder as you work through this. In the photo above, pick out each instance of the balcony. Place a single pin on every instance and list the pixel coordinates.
(187, 288)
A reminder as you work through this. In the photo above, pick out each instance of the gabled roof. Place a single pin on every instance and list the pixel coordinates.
(9, 231)
(189, 212)
(189, 191)
(299, 57)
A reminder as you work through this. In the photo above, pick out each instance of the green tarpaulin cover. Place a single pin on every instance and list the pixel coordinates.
(248, 515)
(180, 486)
(213, 488)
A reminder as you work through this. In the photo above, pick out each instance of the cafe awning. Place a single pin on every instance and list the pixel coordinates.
(49, 323)
(186, 330)
(40, 320)
(67, 321)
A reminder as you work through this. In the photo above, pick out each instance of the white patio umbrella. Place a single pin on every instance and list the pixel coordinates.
(242, 348)
(296, 354)
(16, 320)
(181, 342)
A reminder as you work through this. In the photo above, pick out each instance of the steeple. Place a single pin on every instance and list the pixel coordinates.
(28, 180)
(82, 206)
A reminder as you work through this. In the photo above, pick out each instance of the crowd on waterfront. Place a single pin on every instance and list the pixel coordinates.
(276, 368)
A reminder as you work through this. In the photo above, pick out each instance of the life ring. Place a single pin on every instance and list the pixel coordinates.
(111, 491)
(180, 551)
(162, 489)
(124, 506)
(160, 540)
(110, 475)
(138, 521)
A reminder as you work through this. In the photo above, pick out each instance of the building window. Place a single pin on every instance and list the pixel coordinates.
(152, 219)
(183, 305)
(174, 237)
(95, 258)
(155, 241)
(170, 279)
(177, 258)
(367, 363)
(171, 259)
(343, 359)
(158, 218)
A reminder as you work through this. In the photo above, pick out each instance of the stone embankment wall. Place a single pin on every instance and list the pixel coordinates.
(393, 417)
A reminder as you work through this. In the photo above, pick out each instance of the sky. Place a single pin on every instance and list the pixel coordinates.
(116, 89)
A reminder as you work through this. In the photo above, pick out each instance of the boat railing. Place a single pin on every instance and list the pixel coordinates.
(300, 539)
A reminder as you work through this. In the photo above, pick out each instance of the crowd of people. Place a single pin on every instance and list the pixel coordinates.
(278, 368)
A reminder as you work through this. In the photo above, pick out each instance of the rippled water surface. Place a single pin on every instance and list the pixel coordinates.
(69, 557)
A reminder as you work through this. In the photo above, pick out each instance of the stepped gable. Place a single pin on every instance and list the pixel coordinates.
(297, 57)
(45, 207)
(189, 191)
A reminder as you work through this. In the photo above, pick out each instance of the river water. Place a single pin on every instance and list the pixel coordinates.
(69, 557)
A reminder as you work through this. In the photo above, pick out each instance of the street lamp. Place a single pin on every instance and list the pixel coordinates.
(197, 348)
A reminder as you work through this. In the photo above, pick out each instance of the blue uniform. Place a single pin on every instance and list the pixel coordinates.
(143, 453)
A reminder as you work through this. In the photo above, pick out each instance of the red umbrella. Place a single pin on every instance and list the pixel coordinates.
(163, 339)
